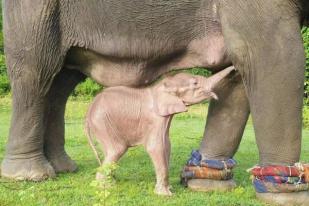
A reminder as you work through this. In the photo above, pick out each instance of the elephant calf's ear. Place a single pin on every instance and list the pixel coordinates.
(166, 104)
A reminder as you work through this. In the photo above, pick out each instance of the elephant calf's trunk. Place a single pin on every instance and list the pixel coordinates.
(213, 80)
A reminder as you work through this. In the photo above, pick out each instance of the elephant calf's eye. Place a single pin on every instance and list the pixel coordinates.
(195, 85)
(193, 81)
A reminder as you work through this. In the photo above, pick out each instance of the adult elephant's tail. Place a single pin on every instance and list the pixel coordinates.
(91, 140)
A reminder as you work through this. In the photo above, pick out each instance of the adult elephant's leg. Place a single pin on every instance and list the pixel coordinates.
(63, 84)
(24, 158)
(224, 128)
(226, 121)
(33, 57)
(265, 44)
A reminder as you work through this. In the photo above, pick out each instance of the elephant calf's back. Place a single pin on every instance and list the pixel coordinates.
(120, 112)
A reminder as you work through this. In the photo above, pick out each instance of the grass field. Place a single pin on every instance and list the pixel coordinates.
(135, 175)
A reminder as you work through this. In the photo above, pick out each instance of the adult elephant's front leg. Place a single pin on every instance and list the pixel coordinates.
(224, 128)
(226, 120)
(265, 44)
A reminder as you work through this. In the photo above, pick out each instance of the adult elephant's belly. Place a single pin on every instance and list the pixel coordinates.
(133, 71)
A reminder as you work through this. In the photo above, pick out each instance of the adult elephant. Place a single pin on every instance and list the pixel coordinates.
(51, 45)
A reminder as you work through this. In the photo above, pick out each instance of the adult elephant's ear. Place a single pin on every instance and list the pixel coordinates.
(166, 102)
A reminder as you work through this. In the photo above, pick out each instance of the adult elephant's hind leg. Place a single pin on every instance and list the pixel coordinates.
(30, 80)
(61, 88)
(268, 51)
(33, 57)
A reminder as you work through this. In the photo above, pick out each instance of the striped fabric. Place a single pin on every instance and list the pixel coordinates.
(193, 172)
(196, 168)
(280, 179)
(284, 179)
(269, 187)
(275, 170)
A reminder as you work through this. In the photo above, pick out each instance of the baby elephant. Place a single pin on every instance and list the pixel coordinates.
(122, 117)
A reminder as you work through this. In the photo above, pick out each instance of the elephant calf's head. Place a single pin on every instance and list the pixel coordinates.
(173, 94)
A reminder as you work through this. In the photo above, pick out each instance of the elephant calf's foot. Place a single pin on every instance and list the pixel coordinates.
(104, 177)
(208, 185)
(286, 199)
(34, 169)
(62, 163)
(163, 190)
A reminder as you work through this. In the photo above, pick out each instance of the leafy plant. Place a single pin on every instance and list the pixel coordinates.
(305, 33)
(87, 89)
(4, 81)
(306, 116)
(200, 71)
(104, 184)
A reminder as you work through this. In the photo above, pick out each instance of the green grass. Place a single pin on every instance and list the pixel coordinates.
(135, 175)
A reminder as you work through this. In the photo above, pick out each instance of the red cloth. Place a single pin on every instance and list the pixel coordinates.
(277, 178)
(275, 170)
(306, 173)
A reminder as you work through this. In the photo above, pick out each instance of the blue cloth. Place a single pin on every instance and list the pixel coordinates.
(259, 186)
(219, 164)
(195, 158)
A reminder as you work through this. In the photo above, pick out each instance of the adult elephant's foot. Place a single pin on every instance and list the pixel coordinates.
(208, 185)
(34, 169)
(286, 199)
(61, 162)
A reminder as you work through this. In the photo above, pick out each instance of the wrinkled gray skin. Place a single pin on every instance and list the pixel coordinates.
(51, 45)
(123, 117)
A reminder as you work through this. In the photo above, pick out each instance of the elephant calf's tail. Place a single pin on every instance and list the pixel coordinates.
(91, 140)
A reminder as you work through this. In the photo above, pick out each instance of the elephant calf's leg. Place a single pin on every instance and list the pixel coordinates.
(62, 86)
(226, 121)
(159, 151)
(113, 151)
